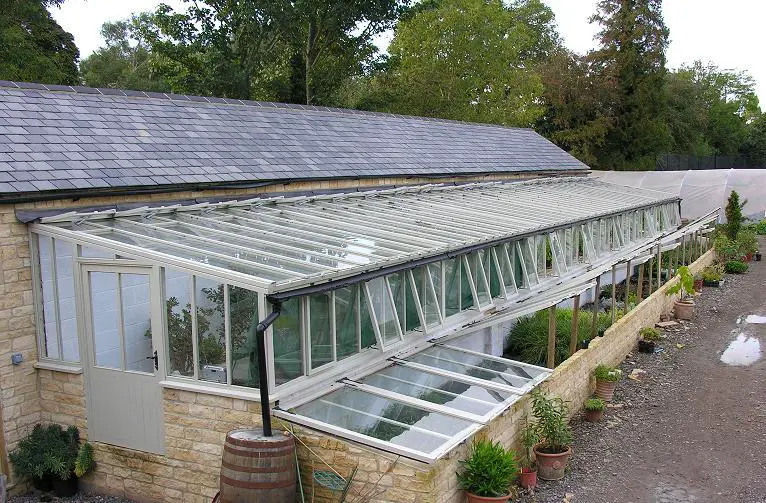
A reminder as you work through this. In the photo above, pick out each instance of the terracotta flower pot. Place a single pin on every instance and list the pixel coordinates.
(472, 498)
(528, 478)
(749, 257)
(551, 466)
(684, 310)
(605, 389)
(594, 416)
(698, 284)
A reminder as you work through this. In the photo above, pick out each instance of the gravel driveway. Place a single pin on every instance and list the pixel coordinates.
(694, 428)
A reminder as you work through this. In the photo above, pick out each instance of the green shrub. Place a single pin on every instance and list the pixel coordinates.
(725, 248)
(733, 215)
(52, 451)
(551, 422)
(595, 404)
(528, 339)
(685, 285)
(489, 470)
(649, 334)
(713, 272)
(747, 242)
(736, 267)
(606, 373)
(760, 227)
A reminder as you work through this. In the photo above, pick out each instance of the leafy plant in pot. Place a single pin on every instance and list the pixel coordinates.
(594, 409)
(553, 451)
(56, 455)
(684, 306)
(712, 275)
(528, 474)
(648, 338)
(606, 380)
(488, 473)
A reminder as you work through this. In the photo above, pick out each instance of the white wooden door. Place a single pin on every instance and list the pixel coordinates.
(123, 316)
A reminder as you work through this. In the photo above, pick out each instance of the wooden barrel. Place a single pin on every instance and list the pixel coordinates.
(258, 469)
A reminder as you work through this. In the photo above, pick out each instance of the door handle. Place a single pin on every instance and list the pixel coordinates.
(156, 360)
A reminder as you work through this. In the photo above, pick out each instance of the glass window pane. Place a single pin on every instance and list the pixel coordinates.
(384, 419)
(179, 323)
(243, 318)
(320, 333)
(506, 270)
(490, 271)
(398, 283)
(92, 252)
(380, 302)
(452, 286)
(208, 297)
(437, 389)
(368, 331)
(45, 247)
(466, 295)
(106, 319)
(346, 321)
(411, 308)
(504, 372)
(136, 322)
(428, 302)
(67, 309)
(288, 346)
(476, 265)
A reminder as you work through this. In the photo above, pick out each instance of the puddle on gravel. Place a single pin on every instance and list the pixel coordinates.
(745, 349)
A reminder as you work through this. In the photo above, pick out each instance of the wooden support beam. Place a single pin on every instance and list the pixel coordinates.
(596, 303)
(683, 249)
(640, 287)
(651, 277)
(627, 285)
(614, 293)
(659, 266)
(575, 325)
(552, 336)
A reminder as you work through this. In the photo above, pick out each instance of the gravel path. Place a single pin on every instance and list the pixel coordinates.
(693, 429)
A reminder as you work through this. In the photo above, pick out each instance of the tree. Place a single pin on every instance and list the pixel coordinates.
(754, 146)
(33, 47)
(470, 60)
(633, 40)
(299, 51)
(733, 215)
(576, 116)
(125, 60)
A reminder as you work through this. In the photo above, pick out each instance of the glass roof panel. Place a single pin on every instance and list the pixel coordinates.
(437, 389)
(384, 419)
(474, 365)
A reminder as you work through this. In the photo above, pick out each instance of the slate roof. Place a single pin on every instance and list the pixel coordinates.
(63, 140)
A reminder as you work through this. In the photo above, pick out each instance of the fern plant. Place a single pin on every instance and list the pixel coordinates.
(489, 470)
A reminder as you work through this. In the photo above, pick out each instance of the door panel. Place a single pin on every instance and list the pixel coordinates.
(125, 356)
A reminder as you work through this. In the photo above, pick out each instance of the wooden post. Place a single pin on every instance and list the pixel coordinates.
(596, 303)
(651, 277)
(683, 249)
(627, 285)
(614, 292)
(552, 336)
(675, 263)
(575, 326)
(640, 288)
(659, 266)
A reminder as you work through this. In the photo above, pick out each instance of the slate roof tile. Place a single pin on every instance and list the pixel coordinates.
(81, 137)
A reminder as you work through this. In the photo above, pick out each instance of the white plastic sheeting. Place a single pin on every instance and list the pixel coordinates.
(701, 191)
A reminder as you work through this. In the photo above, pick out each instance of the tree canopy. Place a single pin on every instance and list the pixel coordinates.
(33, 47)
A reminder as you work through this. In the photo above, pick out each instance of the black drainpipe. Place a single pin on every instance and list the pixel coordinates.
(263, 377)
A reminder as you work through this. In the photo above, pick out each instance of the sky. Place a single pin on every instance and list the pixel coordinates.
(729, 36)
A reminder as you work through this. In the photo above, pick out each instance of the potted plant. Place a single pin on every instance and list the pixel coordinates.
(606, 380)
(712, 275)
(648, 337)
(698, 282)
(553, 451)
(594, 409)
(54, 454)
(488, 472)
(736, 267)
(747, 244)
(684, 306)
(528, 474)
